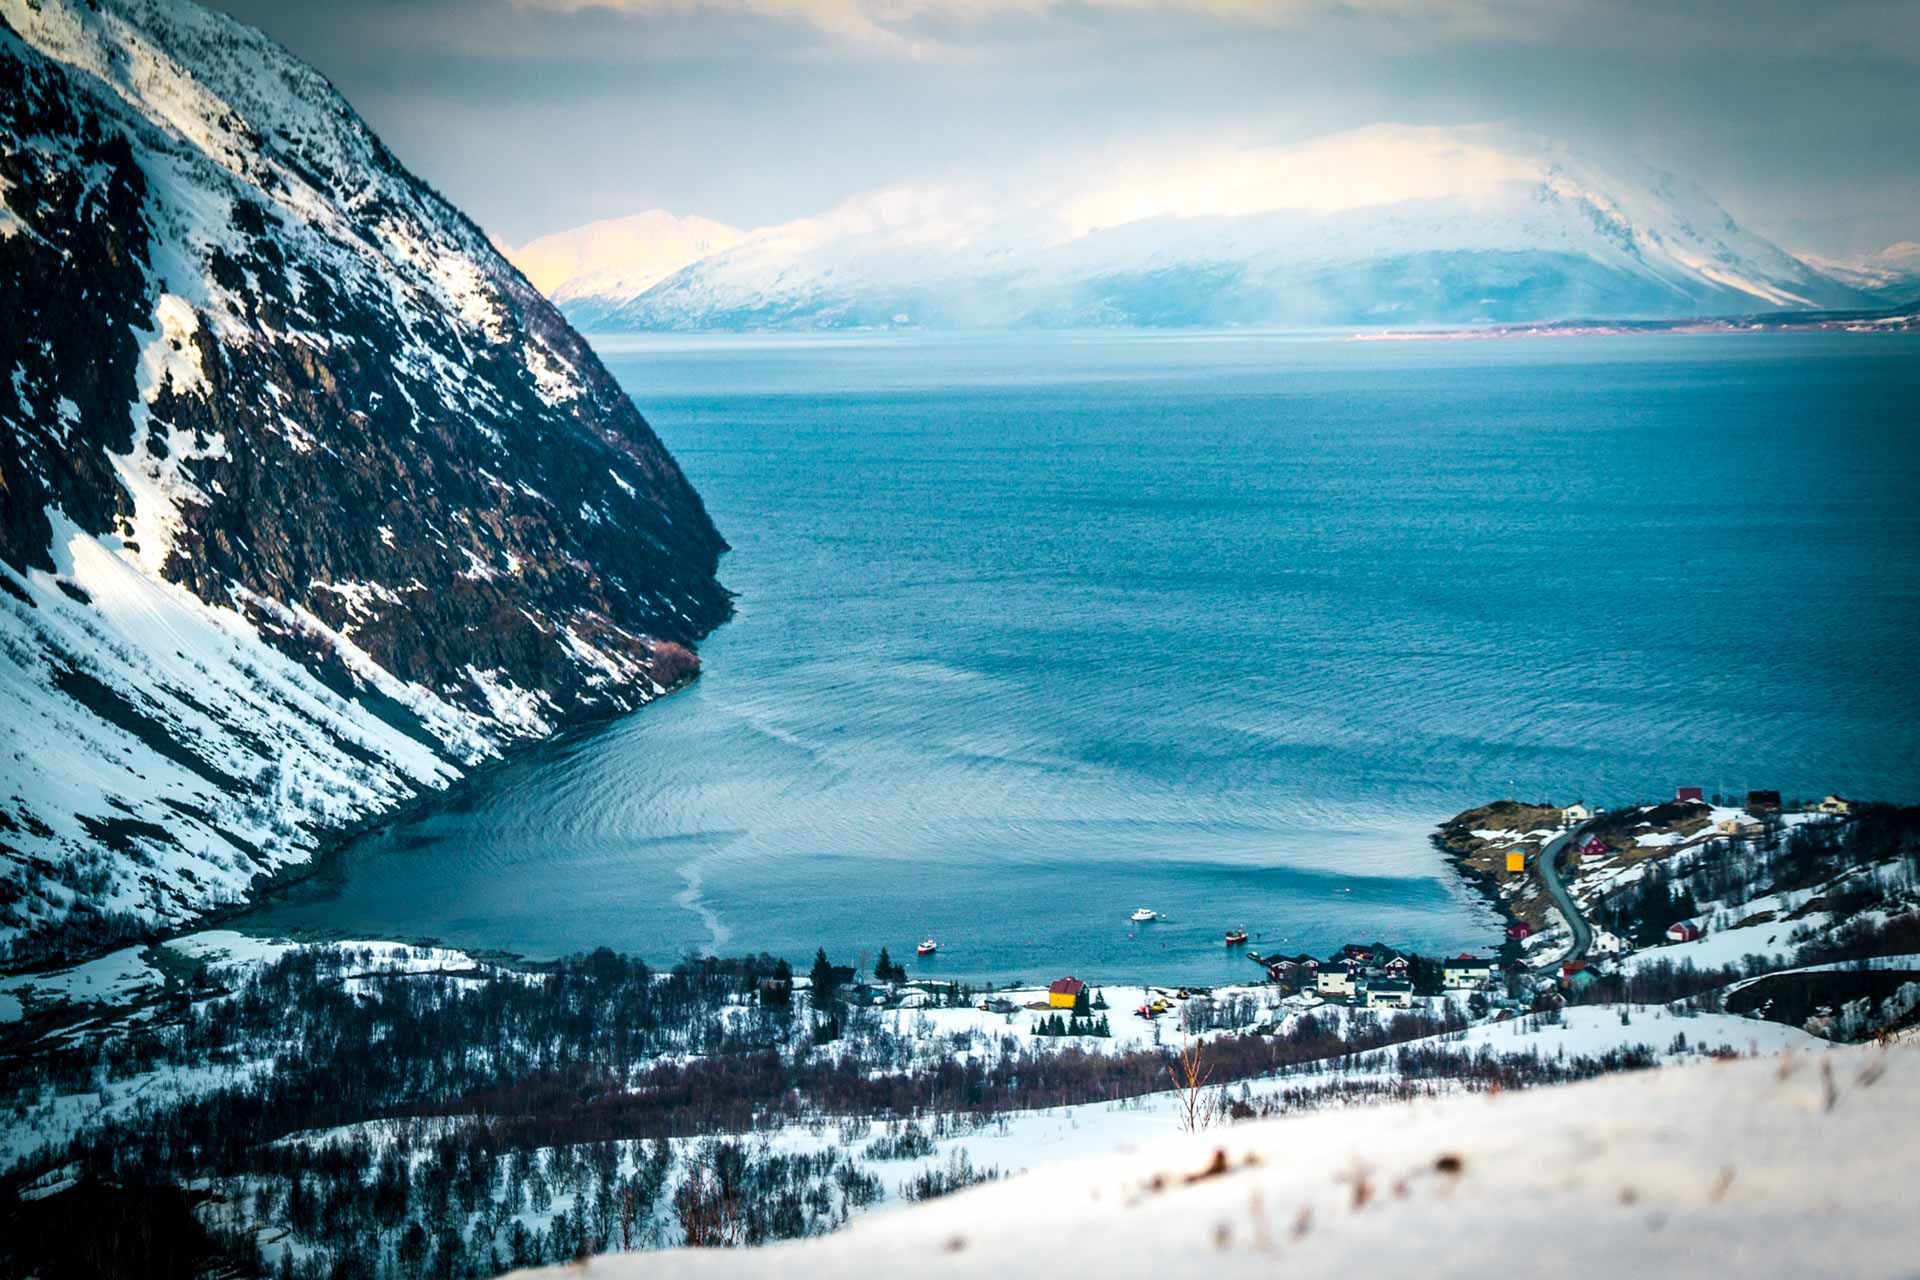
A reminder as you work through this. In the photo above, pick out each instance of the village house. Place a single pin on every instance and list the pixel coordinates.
(1697, 795)
(1608, 944)
(1685, 931)
(1759, 802)
(1065, 993)
(1834, 805)
(1335, 980)
(1575, 814)
(1595, 849)
(1519, 931)
(1464, 972)
(1740, 824)
(1287, 973)
(1396, 967)
(1578, 975)
(1390, 993)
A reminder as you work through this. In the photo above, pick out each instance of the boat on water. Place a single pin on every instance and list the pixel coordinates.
(1236, 936)
(926, 948)
(1143, 915)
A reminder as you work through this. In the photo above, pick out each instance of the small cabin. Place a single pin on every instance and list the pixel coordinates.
(1685, 931)
(1695, 795)
(1759, 802)
(1740, 824)
(1065, 993)
(1519, 931)
(1575, 813)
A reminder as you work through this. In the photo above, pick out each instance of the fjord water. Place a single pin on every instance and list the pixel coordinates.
(1034, 630)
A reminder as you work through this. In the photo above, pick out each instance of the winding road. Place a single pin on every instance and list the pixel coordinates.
(1547, 862)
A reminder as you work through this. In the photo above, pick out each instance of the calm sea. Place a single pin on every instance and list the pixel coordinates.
(1037, 630)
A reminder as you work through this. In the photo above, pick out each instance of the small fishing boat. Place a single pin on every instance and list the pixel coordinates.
(1143, 915)
(927, 947)
(1236, 936)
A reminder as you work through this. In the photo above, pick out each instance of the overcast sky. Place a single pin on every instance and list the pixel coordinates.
(537, 115)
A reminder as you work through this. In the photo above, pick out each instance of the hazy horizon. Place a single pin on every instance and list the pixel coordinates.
(538, 116)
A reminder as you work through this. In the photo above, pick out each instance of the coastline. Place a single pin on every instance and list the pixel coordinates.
(328, 854)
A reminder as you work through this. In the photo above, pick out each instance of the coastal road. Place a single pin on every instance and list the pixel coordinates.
(1547, 862)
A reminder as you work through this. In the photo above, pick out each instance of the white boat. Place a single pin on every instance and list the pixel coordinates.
(1143, 915)
(927, 947)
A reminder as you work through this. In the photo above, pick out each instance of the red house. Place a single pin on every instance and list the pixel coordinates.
(1595, 849)
(1696, 794)
(1519, 931)
(1685, 931)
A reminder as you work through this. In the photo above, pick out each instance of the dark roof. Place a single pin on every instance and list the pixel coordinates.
(1766, 799)
(1390, 984)
(1067, 987)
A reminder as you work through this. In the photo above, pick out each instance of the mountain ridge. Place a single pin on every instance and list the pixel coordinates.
(312, 501)
(1386, 225)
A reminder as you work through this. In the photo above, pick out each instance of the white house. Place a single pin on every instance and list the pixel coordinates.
(1465, 972)
(1390, 993)
(1608, 944)
(1575, 813)
(1334, 980)
(1740, 824)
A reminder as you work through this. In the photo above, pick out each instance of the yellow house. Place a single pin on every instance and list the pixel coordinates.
(1063, 994)
(1836, 805)
(1516, 861)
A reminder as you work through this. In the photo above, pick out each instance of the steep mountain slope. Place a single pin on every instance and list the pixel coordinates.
(1384, 225)
(309, 499)
(594, 269)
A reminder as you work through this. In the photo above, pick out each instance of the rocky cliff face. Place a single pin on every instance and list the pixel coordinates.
(307, 499)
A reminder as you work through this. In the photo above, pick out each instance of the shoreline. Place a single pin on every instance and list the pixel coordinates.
(334, 842)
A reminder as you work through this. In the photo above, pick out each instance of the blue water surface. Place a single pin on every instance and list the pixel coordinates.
(1037, 629)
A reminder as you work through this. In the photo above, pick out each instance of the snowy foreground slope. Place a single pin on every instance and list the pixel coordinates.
(1801, 1164)
(1387, 225)
(308, 500)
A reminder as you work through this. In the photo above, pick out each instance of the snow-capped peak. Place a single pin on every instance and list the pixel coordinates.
(1384, 224)
(617, 259)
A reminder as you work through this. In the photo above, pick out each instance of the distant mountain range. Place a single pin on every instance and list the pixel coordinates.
(308, 500)
(594, 270)
(1383, 226)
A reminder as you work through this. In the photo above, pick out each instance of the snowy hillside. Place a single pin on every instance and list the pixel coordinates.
(1385, 225)
(310, 500)
(1790, 1166)
(591, 270)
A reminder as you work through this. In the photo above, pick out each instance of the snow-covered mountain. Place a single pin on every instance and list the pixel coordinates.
(1891, 276)
(1383, 225)
(308, 500)
(592, 270)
